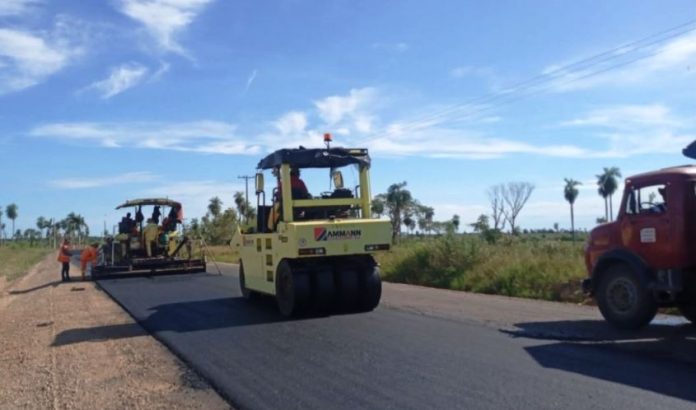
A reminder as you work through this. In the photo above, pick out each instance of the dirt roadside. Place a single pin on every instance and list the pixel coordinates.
(123, 368)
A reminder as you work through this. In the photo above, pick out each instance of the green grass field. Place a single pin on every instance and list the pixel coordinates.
(530, 267)
(548, 267)
(224, 253)
(16, 260)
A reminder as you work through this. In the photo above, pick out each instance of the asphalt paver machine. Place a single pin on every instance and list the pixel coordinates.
(152, 244)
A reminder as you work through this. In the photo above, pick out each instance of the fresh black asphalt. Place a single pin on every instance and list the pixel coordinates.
(386, 359)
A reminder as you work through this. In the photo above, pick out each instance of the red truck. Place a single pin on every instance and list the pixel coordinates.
(646, 259)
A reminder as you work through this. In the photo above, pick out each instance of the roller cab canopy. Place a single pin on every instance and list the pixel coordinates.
(316, 158)
(150, 201)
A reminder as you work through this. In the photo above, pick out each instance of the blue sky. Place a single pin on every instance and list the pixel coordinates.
(110, 100)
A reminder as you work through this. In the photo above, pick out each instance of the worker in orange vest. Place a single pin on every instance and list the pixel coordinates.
(64, 257)
(89, 255)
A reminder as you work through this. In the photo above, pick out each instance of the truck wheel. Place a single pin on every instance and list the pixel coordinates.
(324, 290)
(623, 300)
(247, 293)
(292, 290)
(347, 285)
(688, 311)
(370, 289)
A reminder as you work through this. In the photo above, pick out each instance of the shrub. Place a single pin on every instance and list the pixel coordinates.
(530, 267)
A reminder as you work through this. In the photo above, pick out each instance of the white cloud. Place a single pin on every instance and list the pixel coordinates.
(200, 136)
(627, 116)
(29, 58)
(335, 108)
(121, 79)
(628, 67)
(250, 80)
(637, 129)
(454, 143)
(195, 195)
(162, 70)
(99, 182)
(164, 19)
(471, 71)
(400, 47)
(294, 122)
(17, 7)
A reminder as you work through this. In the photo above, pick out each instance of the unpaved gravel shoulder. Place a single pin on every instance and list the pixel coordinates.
(68, 345)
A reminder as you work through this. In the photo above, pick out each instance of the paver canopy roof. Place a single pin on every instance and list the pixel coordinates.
(150, 201)
(316, 158)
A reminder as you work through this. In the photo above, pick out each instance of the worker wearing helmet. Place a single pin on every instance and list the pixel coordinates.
(89, 255)
(64, 254)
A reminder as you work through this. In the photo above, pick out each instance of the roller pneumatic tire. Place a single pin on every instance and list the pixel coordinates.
(247, 293)
(688, 310)
(323, 289)
(370, 289)
(623, 300)
(292, 290)
(347, 289)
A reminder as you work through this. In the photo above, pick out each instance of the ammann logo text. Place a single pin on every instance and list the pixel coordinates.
(323, 234)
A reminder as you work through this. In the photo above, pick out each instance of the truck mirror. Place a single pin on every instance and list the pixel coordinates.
(259, 182)
(337, 177)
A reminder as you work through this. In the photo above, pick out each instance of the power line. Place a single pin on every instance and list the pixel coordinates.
(541, 90)
(580, 66)
(563, 70)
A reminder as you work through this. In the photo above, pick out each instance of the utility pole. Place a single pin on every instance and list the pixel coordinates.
(246, 179)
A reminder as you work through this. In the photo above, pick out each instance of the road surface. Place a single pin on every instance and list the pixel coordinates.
(390, 358)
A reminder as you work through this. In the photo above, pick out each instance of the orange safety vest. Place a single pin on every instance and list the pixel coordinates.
(88, 255)
(64, 254)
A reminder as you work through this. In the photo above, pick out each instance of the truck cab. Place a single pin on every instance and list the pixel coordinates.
(646, 258)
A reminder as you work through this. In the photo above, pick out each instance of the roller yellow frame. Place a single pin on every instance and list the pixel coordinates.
(324, 259)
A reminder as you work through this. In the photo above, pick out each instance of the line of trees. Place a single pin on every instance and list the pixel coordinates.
(607, 185)
(404, 211)
(218, 225)
(49, 230)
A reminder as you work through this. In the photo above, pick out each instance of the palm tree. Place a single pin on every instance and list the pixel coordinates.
(601, 190)
(397, 200)
(410, 223)
(571, 194)
(455, 222)
(215, 207)
(378, 206)
(11, 211)
(611, 184)
(241, 203)
(43, 223)
(425, 219)
(243, 206)
(74, 223)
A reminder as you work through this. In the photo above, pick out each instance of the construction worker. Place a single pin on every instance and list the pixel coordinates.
(298, 191)
(298, 188)
(150, 234)
(64, 255)
(89, 255)
(156, 213)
